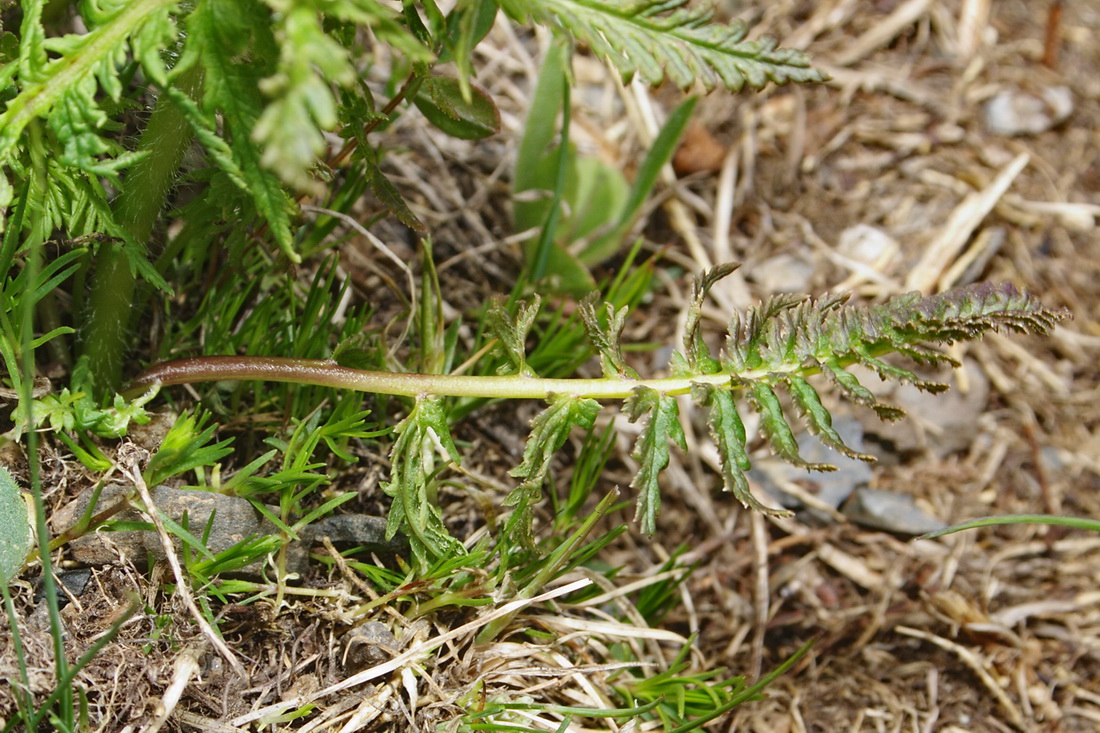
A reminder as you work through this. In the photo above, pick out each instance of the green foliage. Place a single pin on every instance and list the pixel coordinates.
(412, 484)
(185, 447)
(1056, 520)
(549, 431)
(16, 539)
(223, 109)
(674, 39)
(74, 410)
(253, 87)
(442, 101)
(774, 346)
(662, 423)
(583, 206)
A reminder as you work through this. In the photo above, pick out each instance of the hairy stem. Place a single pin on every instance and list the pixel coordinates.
(331, 374)
(144, 191)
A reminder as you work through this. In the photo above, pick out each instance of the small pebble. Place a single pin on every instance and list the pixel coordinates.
(1017, 112)
(890, 512)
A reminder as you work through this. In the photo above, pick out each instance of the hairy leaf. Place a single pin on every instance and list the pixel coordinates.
(670, 38)
(728, 431)
(65, 91)
(412, 476)
(511, 331)
(311, 60)
(549, 431)
(651, 449)
(777, 429)
(818, 418)
(230, 40)
(16, 538)
(695, 349)
(607, 339)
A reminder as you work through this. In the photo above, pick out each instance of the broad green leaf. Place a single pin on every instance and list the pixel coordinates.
(596, 205)
(535, 167)
(441, 100)
(16, 537)
(467, 25)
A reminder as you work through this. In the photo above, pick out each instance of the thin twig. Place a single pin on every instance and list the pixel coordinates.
(183, 588)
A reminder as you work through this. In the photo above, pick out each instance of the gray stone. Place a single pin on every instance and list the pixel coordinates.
(830, 487)
(224, 520)
(890, 512)
(234, 520)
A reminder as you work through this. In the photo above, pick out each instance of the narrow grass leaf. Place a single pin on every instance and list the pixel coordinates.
(1060, 521)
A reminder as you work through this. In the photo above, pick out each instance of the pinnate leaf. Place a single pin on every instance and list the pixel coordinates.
(818, 417)
(549, 431)
(412, 483)
(222, 37)
(672, 39)
(662, 423)
(777, 429)
(728, 431)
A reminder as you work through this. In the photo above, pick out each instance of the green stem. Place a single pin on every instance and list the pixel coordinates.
(331, 374)
(144, 191)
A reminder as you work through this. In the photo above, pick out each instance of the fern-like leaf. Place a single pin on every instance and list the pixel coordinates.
(607, 339)
(662, 423)
(511, 331)
(671, 38)
(220, 38)
(549, 431)
(412, 480)
(728, 431)
(819, 419)
(65, 89)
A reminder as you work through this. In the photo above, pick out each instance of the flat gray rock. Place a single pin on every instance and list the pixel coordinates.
(224, 520)
(890, 512)
(831, 487)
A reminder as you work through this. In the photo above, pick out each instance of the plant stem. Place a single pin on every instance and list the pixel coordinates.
(331, 374)
(143, 193)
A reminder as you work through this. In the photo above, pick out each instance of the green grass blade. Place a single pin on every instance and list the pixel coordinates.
(1071, 522)
(749, 694)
